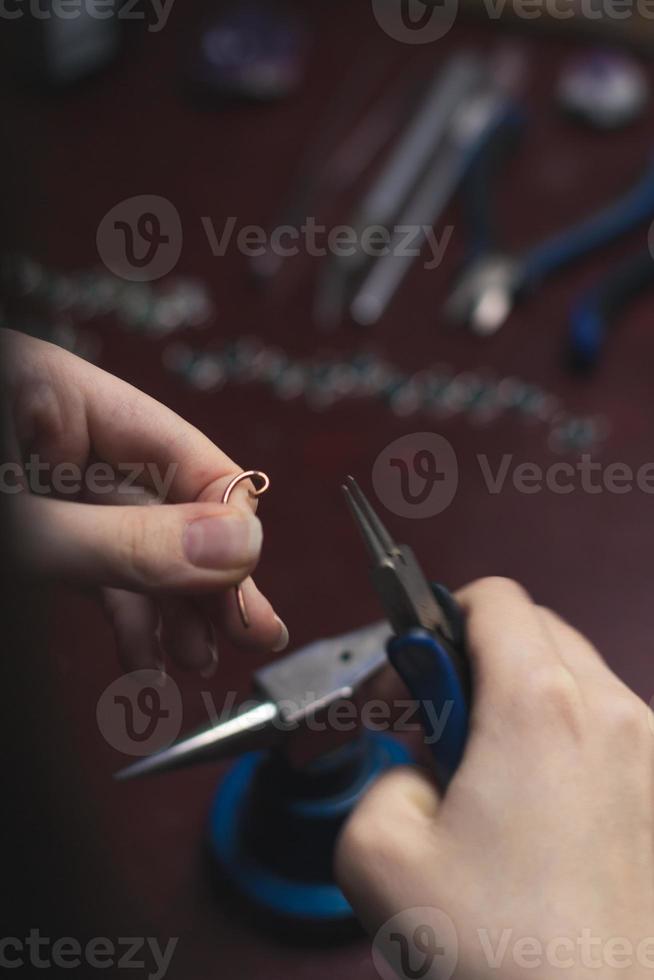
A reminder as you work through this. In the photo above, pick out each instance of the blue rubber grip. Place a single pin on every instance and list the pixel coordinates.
(435, 672)
(587, 332)
(631, 210)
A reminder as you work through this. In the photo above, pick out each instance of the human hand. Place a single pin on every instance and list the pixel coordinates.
(103, 454)
(541, 850)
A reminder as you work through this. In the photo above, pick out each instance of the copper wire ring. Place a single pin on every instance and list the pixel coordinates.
(265, 483)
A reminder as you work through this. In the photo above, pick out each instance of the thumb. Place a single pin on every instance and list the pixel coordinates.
(386, 844)
(156, 548)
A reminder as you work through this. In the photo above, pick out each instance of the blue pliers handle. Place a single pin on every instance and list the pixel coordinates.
(595, 310)
(626, 213)
(436, 672)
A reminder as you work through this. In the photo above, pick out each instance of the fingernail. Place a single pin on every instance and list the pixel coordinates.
(223, 542)
(282, 641)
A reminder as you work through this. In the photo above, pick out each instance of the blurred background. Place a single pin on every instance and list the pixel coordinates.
(314, 230)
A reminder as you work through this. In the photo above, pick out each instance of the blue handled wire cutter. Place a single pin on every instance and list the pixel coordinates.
(492, 279)
(425, 646)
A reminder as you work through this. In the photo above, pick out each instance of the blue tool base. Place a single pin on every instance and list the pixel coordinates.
(285, 895)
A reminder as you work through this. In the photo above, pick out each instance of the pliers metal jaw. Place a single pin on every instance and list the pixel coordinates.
(483, 297)
(289, 693)
(428, 647)
(405, 594)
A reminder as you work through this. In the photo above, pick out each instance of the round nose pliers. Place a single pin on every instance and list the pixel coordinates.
(427, 648)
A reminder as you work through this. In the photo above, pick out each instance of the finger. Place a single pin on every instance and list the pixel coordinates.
(125, 424)
(113, 492)
(386, 844)
(181, 548)
(126, 491)
(70, 409)
(135, 621)
(508, 644)
(187, 635)
(46, 417)
(266, 631)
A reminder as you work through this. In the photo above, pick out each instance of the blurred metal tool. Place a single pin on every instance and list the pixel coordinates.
(605, 88)
(486, 292)
(330, 162)
(469, 128)
(289, 692)
(458, 80)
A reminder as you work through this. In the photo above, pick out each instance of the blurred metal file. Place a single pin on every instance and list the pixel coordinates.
(461, 76)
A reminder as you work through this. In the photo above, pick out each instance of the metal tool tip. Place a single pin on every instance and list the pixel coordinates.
(122, 776)
(142, 767)
(366, 309)
(491, 311)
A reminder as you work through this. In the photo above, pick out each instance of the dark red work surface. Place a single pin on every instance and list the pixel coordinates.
(118, 860)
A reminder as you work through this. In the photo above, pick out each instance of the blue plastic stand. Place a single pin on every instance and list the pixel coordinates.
(273, 829)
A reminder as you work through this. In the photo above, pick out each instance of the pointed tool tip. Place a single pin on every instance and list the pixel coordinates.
(123, 775)
(142, 767)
